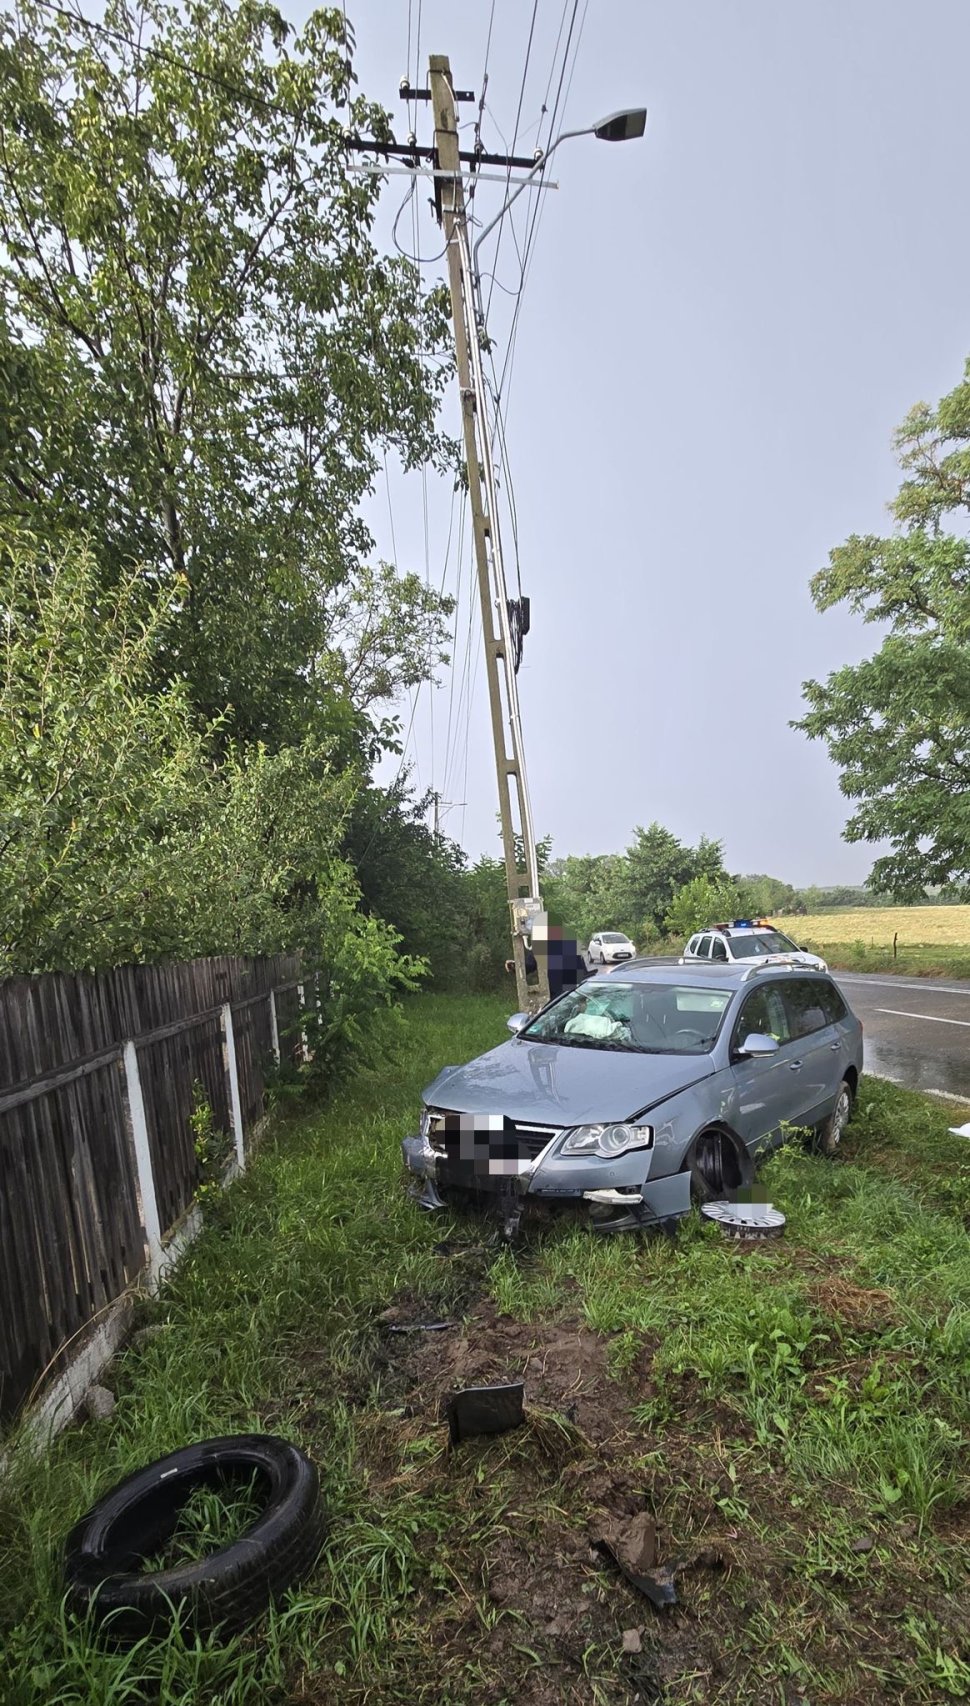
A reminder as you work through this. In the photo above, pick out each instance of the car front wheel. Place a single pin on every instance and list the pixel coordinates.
(829, 1134)
(719, 1167)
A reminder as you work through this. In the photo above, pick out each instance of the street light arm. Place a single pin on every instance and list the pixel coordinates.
(537, 170)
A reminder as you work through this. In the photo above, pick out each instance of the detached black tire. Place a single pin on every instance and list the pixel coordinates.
(230, 1588)
(719, 1166)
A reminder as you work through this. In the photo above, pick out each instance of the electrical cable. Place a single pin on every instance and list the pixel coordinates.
(417, 260)
(506, 467)
(537, 213)
(477, 140)
(464, 679)
(471, 698)
(515, 135)
(454, 645)
(463, 674)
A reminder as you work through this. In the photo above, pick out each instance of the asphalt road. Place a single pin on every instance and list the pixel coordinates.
(917, 1030)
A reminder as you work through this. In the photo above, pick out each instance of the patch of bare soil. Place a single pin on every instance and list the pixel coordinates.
(551, 1574)
(564, 1367)
(565, 1509)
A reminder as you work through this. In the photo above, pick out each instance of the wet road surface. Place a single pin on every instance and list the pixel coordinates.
(917, 1031)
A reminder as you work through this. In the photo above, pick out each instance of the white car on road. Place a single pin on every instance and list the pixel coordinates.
(755, 941)
(609, 948)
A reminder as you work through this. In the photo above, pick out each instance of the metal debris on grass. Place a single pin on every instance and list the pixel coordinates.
(632, 1545)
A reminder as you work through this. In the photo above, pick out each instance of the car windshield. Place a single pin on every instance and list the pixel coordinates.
(611, 936)
(654, 1018)
(761, 942)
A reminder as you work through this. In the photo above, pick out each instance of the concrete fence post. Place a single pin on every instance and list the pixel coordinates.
(304, 1045)
(138, 1130)
(235, 1105)
(274, 1026)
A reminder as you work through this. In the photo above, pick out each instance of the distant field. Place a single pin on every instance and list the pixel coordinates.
(917, 926)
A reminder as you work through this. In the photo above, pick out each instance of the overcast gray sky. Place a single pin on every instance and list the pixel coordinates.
(721, 326)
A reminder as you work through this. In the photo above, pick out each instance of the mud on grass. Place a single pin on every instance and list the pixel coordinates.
(793, 1589)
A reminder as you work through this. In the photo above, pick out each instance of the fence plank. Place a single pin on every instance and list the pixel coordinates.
(69, 1219)
(97, 1160)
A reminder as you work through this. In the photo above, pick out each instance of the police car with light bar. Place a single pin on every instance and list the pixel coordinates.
(747, 941)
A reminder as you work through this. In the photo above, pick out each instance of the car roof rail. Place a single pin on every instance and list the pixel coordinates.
(789, 963)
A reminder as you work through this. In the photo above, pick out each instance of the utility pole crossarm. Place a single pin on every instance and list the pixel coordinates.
(522, 883)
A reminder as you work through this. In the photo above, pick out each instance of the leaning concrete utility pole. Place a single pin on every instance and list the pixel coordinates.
(518, 837)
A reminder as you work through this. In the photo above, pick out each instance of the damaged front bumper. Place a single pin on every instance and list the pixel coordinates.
(616, 1191)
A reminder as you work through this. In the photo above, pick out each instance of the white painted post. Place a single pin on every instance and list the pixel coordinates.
(138, 1126)
(235, 1105)
(303, 1036)
(274, 1026)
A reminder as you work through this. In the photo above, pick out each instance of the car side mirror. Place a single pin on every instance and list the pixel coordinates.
(518, 1022)
(757, 1046)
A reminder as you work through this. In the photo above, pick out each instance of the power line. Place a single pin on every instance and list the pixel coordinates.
(499, 433)
(454, 645)
(477, 142)
(538, 209)
(515, 134)
(470, 648)
(418, 260)
(468, 717)
(536, 213)
(417, 48)
(390, 510)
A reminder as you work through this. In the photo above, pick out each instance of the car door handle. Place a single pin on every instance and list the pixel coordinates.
(835, 1047)
(794, 1066)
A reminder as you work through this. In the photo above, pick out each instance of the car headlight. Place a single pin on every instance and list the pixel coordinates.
(607, 1140)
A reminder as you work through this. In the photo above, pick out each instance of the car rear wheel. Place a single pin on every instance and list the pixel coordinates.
(719, 1166)
(829, 1134)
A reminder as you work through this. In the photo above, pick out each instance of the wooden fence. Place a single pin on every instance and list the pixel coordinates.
(97, 1157)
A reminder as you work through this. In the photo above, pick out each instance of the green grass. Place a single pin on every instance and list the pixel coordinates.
(801, 1406)
(940, 960)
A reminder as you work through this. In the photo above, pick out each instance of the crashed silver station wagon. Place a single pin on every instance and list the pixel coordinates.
(643, 1090)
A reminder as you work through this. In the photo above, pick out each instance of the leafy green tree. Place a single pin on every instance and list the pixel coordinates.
(487, 923)
(584, 893)
(898, 724)
(656, 867)
(702, 901)
(412, 878)
(126, 832)
(204, 358)
(762, 895)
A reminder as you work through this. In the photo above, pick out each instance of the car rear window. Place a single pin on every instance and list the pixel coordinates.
(831, 1003)
(806, 1006)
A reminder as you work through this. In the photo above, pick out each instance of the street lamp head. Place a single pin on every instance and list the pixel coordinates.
(622, 127)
